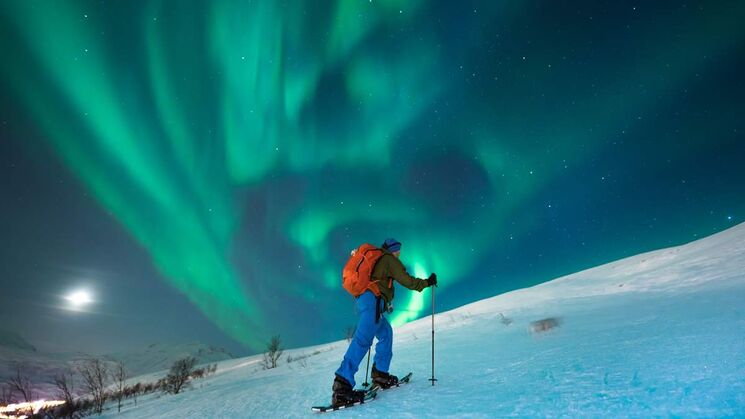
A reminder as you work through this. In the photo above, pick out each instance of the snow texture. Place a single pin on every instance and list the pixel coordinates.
(658, 334)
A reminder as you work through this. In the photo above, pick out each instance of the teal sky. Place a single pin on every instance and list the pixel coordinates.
(205, 167)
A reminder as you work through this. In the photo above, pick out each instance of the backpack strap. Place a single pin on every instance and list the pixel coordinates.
(374, 281)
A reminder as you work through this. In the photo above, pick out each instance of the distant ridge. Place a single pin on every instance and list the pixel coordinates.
(12, 340)
(159, 357)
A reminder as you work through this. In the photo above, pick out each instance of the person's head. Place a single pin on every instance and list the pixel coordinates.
(393, 246)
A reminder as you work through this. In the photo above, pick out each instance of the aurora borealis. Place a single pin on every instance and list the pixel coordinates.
(230, 153)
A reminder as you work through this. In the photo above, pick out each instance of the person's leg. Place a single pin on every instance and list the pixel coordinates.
(384, 347)
(363, 337)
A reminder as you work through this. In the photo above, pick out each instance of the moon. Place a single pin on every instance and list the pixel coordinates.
(78, 299)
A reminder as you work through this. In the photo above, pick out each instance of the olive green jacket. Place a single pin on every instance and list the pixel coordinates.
(389, 268)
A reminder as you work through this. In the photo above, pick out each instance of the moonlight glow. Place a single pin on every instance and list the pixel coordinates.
(79, 299)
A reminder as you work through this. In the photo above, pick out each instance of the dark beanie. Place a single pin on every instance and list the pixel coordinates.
(391, 245)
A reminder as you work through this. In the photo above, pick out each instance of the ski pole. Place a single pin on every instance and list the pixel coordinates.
(433, 379)
(365, 384)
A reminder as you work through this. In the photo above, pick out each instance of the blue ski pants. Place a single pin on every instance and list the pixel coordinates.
(367, 328)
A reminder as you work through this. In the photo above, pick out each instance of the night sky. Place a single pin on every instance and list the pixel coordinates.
(204, 168)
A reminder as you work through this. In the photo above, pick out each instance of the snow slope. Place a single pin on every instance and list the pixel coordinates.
(658, 334)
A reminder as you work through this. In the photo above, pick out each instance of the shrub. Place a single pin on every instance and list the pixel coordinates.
(179, 375)
(273, 352)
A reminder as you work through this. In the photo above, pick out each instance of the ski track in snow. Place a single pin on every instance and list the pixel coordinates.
(657, 334)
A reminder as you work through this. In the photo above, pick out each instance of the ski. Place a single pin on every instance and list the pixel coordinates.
(369, 395)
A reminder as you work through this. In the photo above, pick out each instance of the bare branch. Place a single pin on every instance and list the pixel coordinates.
(119, 376)
(65, 383)
(179, 374)
(21, 383)
(273, 352)
(94, 373)
(6, 394)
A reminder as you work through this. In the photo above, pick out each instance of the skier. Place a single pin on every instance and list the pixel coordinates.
(371, 324)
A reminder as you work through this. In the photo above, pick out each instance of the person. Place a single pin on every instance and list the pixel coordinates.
(372, 323)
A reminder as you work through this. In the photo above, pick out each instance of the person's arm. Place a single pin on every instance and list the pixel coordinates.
(398, 272)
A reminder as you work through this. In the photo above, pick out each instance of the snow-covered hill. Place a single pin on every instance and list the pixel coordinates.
(159, 357)
(658, 334)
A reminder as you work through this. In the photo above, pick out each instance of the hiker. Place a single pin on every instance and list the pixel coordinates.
(374, 300)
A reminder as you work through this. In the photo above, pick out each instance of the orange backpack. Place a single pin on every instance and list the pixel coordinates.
(356, 276)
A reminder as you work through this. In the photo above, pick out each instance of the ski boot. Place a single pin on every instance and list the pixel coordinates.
(383, 379)
(344, 394)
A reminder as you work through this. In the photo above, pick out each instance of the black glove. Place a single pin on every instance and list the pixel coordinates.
(432, 280)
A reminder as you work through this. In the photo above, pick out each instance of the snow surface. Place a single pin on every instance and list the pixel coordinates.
(658, 334)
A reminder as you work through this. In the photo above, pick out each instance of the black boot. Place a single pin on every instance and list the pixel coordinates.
(344, 394)
(383, 379)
